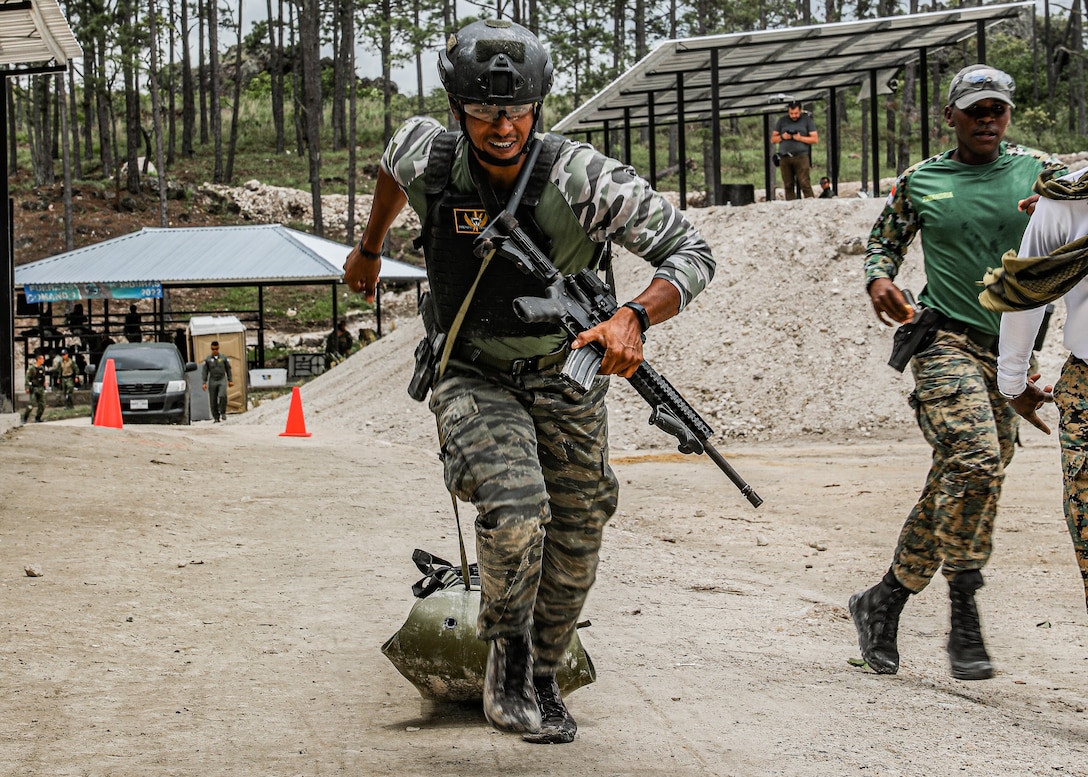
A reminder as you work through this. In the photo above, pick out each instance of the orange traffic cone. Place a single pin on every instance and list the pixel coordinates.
(108, 410)
(296, 423)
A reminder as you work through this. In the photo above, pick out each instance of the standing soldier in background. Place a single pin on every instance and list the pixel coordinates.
(795, 133)
(68, 374)
(216, 375)
(964, 201)
(517, 441)
(35, 387)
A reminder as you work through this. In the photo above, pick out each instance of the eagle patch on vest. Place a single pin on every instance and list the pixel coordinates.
(469, 221)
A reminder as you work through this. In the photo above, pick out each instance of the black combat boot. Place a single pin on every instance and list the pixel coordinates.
(509, 697)
(968, 655)
(557, 727)
(876, 616)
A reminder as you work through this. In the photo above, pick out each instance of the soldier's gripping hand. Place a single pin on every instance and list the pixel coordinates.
(890, 305)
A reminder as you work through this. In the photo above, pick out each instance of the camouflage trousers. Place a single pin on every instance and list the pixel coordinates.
(532, 457)
(1071, 397)
(68, 387)
(35, 400)
(972, 431)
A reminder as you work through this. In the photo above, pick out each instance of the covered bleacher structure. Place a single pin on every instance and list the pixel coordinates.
(710, 78)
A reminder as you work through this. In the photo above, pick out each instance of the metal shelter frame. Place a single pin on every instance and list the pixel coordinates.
(706, 79)
(35, 39)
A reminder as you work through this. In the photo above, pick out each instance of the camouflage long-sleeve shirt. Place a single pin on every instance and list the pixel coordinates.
(604, 197)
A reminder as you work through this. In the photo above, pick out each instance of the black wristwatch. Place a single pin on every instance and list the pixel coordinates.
(643, 316)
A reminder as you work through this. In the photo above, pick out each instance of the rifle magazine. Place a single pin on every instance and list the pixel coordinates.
(581, 368)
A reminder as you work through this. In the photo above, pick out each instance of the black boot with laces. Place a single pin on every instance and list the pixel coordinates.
(966, 651)
(557, 727)
(876, 616)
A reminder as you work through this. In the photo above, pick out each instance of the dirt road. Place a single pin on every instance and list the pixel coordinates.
(212, 600)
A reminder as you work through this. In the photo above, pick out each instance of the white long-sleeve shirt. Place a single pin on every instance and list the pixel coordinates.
(1054, 223)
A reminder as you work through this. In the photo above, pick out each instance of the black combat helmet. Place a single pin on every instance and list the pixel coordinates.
(496, 62)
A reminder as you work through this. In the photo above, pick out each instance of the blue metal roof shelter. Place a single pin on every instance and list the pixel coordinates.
(144, 264)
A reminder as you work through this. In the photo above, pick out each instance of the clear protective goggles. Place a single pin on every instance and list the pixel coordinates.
(491, 113)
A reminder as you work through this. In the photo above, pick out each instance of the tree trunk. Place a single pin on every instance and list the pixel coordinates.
(89, 78)
(296, 84)
(237, 100)
(1077, 117)
(69, 230)
(352, 124)
(13, 139)
(276, 66)
(215, 114)
(341, 74)
(201, 75)
(309, 20)
(188, 96)
(106, 141)
(156, 113)
(73, 109)
(387, 74)
(421, 105)
(39, 131)
(129, 53)
(171, 109)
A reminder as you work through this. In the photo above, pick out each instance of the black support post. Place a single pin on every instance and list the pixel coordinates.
(834, 151)
(874, 131)
(652, 139)
(923, 69)
(768, 168)
(714, 187)
(681, 141)
(7, 301)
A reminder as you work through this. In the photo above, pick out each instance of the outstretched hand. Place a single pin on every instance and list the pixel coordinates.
(1029, 402)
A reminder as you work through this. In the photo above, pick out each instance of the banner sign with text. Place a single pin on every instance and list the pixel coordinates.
(65, 292)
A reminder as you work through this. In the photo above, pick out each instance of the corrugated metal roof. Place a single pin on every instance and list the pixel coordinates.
(265, 254)
(758, 72)
(35, 31)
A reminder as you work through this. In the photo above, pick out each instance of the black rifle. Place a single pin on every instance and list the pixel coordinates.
(582, 301)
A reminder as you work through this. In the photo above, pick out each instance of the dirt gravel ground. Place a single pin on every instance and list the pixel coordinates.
(211, 600)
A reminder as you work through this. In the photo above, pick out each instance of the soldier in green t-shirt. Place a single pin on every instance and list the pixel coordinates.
(964, 203)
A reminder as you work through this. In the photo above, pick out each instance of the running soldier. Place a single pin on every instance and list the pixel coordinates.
(517, 441)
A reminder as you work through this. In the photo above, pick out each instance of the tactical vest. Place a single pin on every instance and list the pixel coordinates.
(454, 220)
(35, 376)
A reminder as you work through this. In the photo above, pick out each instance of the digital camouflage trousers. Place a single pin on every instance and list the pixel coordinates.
(972, 431)
(532, 456)
(1071, 397)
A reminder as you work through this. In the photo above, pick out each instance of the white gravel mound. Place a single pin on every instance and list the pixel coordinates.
(783, 345)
